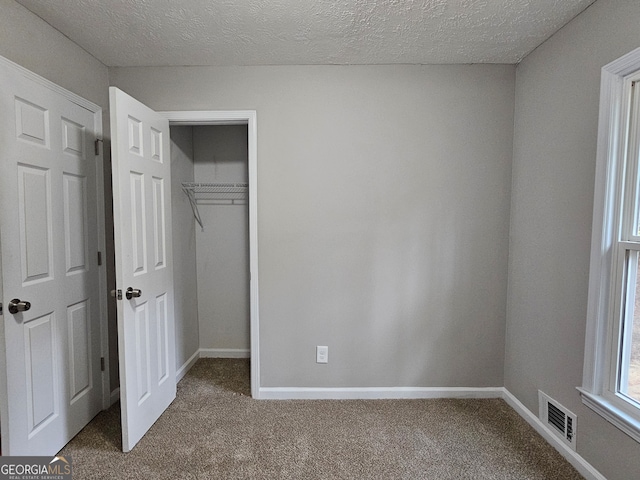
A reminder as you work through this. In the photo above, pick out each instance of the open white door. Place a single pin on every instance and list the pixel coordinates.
(144, 268)
(50, 378)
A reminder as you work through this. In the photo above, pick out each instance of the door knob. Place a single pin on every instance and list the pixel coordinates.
(133, 293)
(17, 306)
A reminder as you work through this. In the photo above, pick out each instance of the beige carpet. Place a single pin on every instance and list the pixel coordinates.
(215, 430)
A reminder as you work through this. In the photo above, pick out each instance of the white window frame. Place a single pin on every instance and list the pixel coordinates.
(609, 247)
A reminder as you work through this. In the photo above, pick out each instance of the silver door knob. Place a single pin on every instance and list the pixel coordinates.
(133, 293)
(17, 306)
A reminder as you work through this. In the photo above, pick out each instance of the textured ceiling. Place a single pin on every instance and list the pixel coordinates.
(287, 32)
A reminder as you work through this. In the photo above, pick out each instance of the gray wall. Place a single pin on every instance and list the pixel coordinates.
(383, 210)
(29, 41)
(557, 95)
(184, 246)
(220, 154)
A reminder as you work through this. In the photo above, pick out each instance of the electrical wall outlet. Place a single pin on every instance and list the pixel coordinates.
(322, 354)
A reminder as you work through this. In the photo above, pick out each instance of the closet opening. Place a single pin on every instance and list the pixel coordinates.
(213, 175)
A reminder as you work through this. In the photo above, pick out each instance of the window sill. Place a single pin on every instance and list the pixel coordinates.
(613, 414)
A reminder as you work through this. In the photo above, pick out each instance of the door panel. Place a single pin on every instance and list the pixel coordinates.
(163, 338)
(75, 223)
(48, 236)
(36, 230)
(142, 352)
(40, 378)
(73, 138)
(32, 122)
(142, 211)
(138, 223)
(79, 327)
(158, 223)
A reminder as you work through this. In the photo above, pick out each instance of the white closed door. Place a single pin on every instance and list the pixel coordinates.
(51, 375)
(144, 271)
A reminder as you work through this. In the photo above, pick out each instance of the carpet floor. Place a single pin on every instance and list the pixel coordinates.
(215, 430)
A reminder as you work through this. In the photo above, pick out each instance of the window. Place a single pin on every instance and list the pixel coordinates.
(611, 382)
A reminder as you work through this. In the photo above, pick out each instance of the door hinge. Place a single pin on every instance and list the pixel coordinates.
(0, 308)
(97, 145)
(102, 364)
(99, 258)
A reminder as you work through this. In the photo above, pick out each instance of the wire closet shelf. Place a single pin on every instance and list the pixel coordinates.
(214, 194)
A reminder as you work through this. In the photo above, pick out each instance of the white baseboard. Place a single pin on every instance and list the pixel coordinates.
(372, 393)
(225, 353)
(585, 468)
(115, 396)
(186, 366)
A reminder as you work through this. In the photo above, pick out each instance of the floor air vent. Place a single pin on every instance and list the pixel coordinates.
(558, 419)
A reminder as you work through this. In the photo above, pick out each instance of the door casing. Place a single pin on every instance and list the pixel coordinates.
(249, 118)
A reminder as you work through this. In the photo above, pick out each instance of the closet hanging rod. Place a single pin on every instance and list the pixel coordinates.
(206, 193)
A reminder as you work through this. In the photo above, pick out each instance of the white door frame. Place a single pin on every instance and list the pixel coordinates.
(6, 64)
(249, 118)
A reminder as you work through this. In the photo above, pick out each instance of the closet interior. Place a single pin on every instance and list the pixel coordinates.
(209, 170)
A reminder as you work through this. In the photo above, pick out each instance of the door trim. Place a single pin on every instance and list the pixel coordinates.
(249, 118)
(6, 64)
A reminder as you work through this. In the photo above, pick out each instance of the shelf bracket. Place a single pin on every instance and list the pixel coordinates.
(194, 205)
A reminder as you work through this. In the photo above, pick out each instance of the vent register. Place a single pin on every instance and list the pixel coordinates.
(558, 419)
